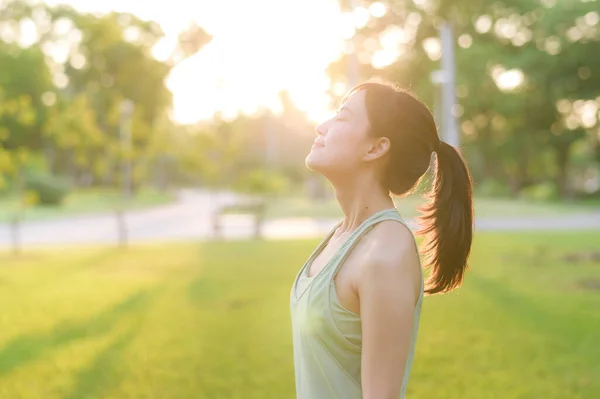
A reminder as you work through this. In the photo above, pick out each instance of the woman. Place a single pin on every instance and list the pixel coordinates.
(356, 302)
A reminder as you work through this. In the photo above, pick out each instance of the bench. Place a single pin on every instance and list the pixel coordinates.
(255, 208)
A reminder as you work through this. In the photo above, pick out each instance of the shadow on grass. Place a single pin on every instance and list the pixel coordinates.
(566, 330)
(104, 371)
(92, 261)
(79, 264)
(27, 348)
(202, 289)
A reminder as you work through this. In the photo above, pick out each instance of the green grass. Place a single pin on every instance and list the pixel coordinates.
(212, 321)
(484, 207)
(83, 202)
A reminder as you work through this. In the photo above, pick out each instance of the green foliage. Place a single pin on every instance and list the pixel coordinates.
(6, 167)
(76, 124)
(544, 129)
(262, 182)
(540, 192)
(594, 195)
(516, 134)
(49, 190)
(17, 118)
(24, 79)
(492, 188)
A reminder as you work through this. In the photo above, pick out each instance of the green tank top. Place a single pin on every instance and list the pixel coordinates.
(327, 337)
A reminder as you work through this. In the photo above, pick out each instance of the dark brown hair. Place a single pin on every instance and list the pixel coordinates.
(447, 219)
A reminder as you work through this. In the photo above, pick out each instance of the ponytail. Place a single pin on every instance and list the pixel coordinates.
(447, 222)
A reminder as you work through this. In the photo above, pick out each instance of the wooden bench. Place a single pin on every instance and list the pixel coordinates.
(255, 208)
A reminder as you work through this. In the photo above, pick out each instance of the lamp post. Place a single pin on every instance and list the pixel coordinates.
(445, 80)
(452, 136)
(437, 78)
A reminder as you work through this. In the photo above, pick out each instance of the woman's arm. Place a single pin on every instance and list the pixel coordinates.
(388, 290)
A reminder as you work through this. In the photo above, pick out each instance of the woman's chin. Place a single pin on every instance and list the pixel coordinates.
(312, 162)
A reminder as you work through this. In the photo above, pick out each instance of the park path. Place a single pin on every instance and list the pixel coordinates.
(190, 218)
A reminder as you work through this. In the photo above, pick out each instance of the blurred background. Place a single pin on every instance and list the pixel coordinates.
(155, 207)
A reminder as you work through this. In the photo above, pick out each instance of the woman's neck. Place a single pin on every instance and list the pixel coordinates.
(359, 199)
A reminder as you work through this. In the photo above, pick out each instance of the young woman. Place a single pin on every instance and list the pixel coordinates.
(356, 303)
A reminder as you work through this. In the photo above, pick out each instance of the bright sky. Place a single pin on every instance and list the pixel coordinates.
(259, 47)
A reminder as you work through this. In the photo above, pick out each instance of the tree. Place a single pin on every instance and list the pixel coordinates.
(25, 78)
(105, 57)
(18, 115)
(522, 67)
(73, 130)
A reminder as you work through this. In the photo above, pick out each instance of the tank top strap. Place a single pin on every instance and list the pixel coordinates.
(365, 227)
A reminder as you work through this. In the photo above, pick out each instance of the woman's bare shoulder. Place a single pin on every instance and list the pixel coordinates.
(390, 246)
(391, 238)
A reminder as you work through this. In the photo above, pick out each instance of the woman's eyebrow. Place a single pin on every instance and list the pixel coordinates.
(344, 108)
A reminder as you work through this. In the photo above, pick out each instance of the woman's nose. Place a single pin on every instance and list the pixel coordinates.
(321, 129)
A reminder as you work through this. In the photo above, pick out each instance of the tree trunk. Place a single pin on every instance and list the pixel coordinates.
(108, 177)
(520, 179)
(491, 165)
(215, 213)
(72, 167)
(259, 217)
(597, 150)
(121, 227)
(15, 233)
(15, 226)
(49, 153)
(562, 163)
(161, 174)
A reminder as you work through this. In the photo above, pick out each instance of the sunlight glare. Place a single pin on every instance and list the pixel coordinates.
(483, 24)
(509, 80)
(361, 17)
(588, 114)
(258, 58)
(346, 26)
(433, 48)
(164, 48)
(384, 58)
(377, 9)
(592, 18)
(259, 48)
(392, 37)
(29, 34)
(465, 40)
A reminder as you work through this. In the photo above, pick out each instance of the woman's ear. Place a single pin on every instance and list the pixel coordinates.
(379, 148)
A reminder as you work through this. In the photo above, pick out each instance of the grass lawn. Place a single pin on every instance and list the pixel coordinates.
(484, 207)
(212, 321)
(83, 202)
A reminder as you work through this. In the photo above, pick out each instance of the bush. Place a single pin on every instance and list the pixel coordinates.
(5, 185)
(50, 190)
(594, 195)
(262, 182)
(492, 188)
(540, 192)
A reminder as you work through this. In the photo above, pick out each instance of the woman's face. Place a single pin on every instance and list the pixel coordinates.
(343, 143)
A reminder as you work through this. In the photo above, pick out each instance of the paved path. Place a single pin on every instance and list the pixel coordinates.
(190, 219)
(187, 218)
